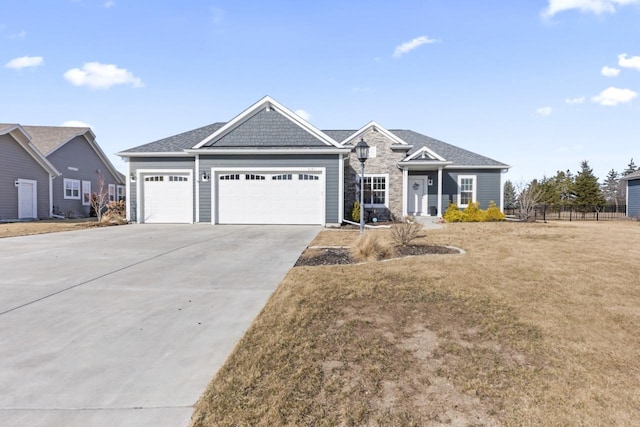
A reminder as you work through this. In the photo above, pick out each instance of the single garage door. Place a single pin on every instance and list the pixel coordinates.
(270, 198)
(167, 198)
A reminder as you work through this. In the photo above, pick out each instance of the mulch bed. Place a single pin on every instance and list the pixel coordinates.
(337, 256)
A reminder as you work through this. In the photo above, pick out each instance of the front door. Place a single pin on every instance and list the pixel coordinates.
(418, 196)
(27, 198)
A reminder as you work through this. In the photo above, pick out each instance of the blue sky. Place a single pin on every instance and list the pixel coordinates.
(539, 85)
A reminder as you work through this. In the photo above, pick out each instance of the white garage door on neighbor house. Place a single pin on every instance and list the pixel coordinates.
(268, 197)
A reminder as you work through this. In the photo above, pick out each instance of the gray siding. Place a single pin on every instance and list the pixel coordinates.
(135, 163)
(328, 161)
(633, 202)
(77, 153)
(16, 163)
(487, 181)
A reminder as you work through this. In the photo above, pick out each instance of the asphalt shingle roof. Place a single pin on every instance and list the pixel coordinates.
(264, 130)
(48, 138)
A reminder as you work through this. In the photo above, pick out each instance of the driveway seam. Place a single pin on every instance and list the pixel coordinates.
(26, 304)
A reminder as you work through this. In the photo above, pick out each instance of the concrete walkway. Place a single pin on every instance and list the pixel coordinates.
(125, 326)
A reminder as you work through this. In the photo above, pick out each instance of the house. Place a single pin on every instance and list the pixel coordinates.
(26, 176)
(633, 194)
(82, 165)
(269, 166)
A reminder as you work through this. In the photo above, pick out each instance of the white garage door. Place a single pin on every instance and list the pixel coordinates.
(167, 198)
(270, 198)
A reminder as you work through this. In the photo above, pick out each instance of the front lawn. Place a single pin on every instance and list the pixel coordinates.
(537, 324)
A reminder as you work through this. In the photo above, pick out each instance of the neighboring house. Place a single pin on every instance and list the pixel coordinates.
(633, 194)
(25, 176)
(270, 166)
(82, 165)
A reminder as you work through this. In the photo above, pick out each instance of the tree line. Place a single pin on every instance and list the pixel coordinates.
(581, 191)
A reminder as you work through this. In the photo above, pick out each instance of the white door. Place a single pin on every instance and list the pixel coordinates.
(167, 198)
(27, 198)
(418, 196)
(269, 197)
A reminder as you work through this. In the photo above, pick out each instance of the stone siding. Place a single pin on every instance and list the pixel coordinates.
(385, 162)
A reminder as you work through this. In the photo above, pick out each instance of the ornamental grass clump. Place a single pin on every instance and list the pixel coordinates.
(369, 248)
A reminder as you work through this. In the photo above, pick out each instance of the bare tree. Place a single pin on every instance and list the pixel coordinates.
(100, 198)
(529, 195)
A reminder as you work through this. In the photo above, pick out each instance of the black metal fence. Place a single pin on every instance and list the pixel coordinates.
(574, 213)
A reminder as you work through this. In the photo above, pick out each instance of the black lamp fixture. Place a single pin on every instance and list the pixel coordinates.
(362, 152)
(204, 176)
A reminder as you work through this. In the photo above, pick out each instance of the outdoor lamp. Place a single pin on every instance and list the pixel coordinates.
(362, 152)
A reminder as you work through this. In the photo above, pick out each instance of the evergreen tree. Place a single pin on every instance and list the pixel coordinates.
(631, 168)
(510, 196)
(611, 188)
(586, 189)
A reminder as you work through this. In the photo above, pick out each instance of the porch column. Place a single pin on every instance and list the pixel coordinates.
(196, 176)
(440, 213)
(405, 183)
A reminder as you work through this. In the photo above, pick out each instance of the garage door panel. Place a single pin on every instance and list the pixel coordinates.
(270, 198)
(167, 198)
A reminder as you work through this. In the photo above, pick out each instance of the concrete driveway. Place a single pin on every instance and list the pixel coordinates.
(125, 326)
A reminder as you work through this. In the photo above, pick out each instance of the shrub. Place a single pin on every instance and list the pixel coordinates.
(453, 214)
(404, 232)
(355, 212)
(115, 213)
(493, 213)
(473, 213)
(368, 248)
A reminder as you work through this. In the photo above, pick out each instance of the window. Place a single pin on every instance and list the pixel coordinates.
(72, 189)
(284, 177)
(154, 178)
(252, 177)
(233, 177)
(121, 192)
(466, 190)
(307, 177)
(375, 190)
(178, 178)
(86, 193)
(112, 192)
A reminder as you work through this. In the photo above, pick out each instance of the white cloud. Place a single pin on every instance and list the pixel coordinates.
(613, 96)
(20, 35)
(609, 71)
(626, 62)
(76, 124)
(410, 45)
(303, 114)
(544, 111)
(573, 101)
(597, 7)
(25, 62)
(109, 4)
(101, 76)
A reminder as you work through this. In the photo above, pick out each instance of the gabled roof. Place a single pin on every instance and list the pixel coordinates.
(632, 175)
(24, 139)
(49, 139)
(267, 123)
(377, 128)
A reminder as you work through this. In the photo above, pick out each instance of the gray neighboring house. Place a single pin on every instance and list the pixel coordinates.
(633, 194)
(270, 166)
(81, 163)
(26, 176)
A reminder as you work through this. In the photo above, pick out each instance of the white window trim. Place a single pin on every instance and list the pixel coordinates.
(474, 191)
(71, 181)
(86, 183)
(386, 189)
(120, 192)
(112, 192)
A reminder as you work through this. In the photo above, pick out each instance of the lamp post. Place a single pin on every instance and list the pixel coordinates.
(362, 152)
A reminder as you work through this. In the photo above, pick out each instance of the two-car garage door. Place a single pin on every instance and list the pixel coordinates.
(276, 197)
(238, 197)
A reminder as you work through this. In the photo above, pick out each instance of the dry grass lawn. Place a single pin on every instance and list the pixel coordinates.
(14, 229)
(537, 324)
